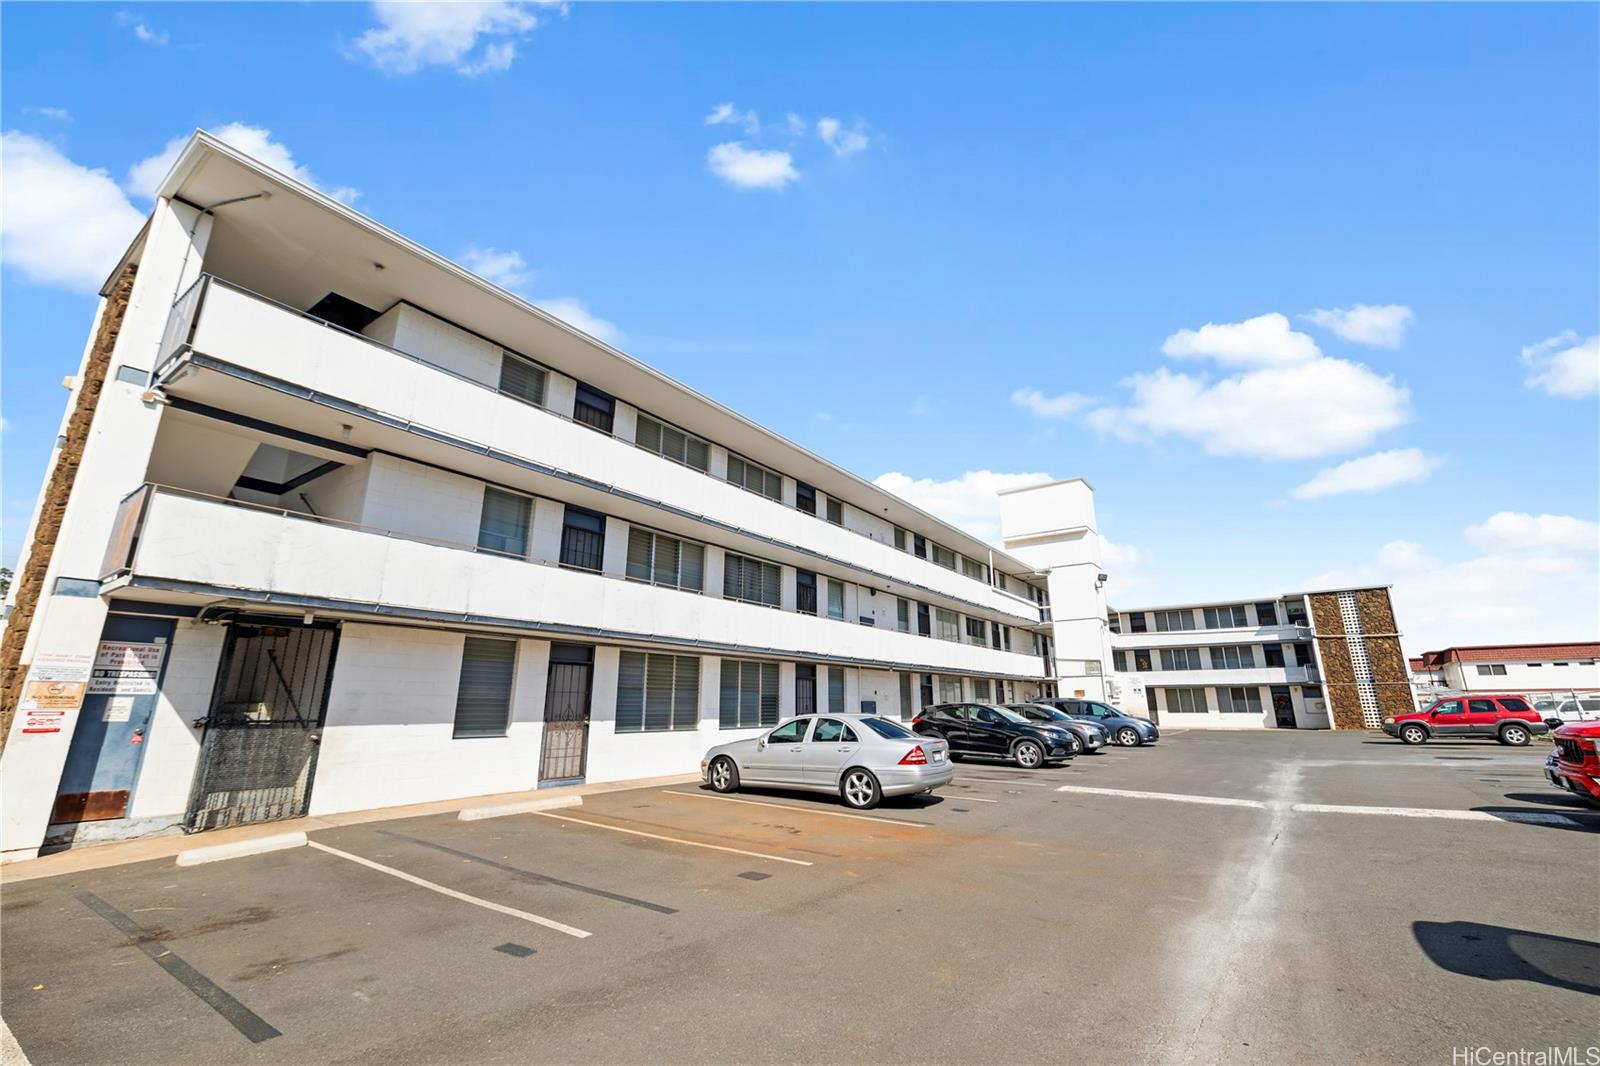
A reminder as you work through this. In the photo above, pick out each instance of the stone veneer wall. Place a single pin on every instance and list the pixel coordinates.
(1391, 680)
(53, 500)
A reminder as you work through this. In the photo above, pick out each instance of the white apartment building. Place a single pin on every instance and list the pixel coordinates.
(1555, 670)
(1313, 660)
(333, 524)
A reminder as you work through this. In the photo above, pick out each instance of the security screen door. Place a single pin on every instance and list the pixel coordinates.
(566, 713)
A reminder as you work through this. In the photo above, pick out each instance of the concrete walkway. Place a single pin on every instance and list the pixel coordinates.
(123, 852)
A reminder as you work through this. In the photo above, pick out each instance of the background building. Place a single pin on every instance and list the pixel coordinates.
(1538, 670)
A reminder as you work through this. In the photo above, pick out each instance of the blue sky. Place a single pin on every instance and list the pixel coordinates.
(957, 244)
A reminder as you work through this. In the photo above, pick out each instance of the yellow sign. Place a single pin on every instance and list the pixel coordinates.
(53, 695)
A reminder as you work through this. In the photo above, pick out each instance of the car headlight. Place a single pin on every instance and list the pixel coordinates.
(1388, 721)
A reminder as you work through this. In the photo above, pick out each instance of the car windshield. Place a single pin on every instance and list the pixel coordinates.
(887, 729)
(1051, 713)
(1010, 716)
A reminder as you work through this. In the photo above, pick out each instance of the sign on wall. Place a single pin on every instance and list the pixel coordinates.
(124, 668)
(55, 686)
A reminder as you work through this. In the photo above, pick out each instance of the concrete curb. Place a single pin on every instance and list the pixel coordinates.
(240, 848)
(473, 814)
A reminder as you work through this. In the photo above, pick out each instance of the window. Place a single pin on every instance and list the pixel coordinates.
(1480, 707)
(503, 526)
(663, 560)
(1512, 703)
(1005, 637)
(749, 694)
(835, 511)
(1225, 617)
(925, 691)
(1174, 621)
(672, 443)
(593, 408)
(836, 689)
(1119, 661)
(924, 627)
(994, 634)
(1448, 707)
(1186, 701)
(583, 539)
(976, 631)
(835, 599)
(974, 569)
(751, 580)
(901, 540)
(944, 557)
(1273, 654)
(656, 693)
(805, 497)
(1141, 660)
(792, 733)
(1136, 622)
(1181, 659)
(805, 594)
(887, 729)
(980, 688)
(1303, 656)
(907, 708)
(521, 379)
(830, 731)
(805, 688)
(483, 695)
(1239, 700)
(747, 475)
(902, 615)
(1150, 700)
(919, 546)
(1491, 670)
(1533, 664)
(949, 689)
(1233, 657)
(1114, 622)
(949, 628)
(1267, 614)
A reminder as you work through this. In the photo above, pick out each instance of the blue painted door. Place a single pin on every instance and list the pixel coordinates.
(114, 723)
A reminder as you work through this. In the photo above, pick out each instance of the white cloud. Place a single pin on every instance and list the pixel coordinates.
(1378, 326)
(728, 115)
(144, 177)
(1302, 411)
(141, 29)
(1265, 340)
(969, 502)
(1370, 473)
(60, 223)
(1067, 403)
(845, 141)
(1534, 579)
(752, 168)
(794, 124)
(573, 312)
(506, 269)
(60, 114)
(1518, 531)
(411, 36)
(1564, 365)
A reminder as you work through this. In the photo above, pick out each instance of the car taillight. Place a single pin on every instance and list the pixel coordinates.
(917, 720)
(915, 757)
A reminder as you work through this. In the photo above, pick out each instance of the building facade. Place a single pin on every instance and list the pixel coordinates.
(1312, 660)
(333, 524)
(1542, 670)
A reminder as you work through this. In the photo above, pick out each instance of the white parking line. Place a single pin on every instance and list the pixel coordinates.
(1003, 781)
(972, 799)
(548, 923)
(1216, 801)
(673, 840)
(1525, 817)
(800, 810)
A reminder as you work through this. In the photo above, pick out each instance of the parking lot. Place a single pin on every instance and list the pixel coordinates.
(1260, 897)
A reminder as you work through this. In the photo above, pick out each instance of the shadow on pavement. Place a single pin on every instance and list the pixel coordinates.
(1550, 799)
(1565, 819)
(1496, 953)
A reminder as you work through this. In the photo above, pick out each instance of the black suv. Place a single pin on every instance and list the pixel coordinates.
(986, 730)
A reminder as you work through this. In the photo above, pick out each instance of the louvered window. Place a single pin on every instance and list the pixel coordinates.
(521, 379)
(672, 443)
(657, 693)
(748, 475)
(944, 557)
(593, 408)
(751, 580)
(948, 626)
(835, 690)
(805, 592)
(907, 708)
(583, 539)
(663, 560)
(503, 525)
(835, 511)
(483, 698)
(749, 694)
(835, 599)
(902, 615)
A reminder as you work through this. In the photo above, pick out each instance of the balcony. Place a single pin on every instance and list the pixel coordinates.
(172, 544)
(1282, 633)
(232, 350)
(1259, 675)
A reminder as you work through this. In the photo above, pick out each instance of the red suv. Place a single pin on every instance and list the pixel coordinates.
(1575, 764)
(1508, 719)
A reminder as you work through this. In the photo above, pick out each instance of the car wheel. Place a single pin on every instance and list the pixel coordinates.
(1413, 734)
(860, 789)
(1074, 746)
(1515, 735)
(1128, 737)
(1029, 755)
(724, 774)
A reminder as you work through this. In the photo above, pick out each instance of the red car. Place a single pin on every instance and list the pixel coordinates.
(1575, 764)
(1508, 719)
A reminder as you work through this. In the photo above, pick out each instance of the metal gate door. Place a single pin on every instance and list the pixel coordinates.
(566, 714)
(260, 745)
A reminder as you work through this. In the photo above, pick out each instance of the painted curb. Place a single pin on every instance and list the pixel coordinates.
(473, 814)
(219, 852)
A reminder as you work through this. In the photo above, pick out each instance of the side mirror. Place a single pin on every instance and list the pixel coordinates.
(761, 744)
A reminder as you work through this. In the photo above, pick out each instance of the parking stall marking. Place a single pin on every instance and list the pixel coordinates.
(1127, 793)
(249, 1024)
(1003, 781)
(671, 840)
(801, 810)
(500, 908)
(1503, 816)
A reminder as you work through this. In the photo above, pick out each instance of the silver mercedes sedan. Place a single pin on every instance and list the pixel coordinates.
(859, 757)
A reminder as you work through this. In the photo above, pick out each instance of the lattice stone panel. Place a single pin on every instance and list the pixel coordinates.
(1360, 663)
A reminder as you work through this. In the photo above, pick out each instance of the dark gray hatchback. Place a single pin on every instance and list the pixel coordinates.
(1125, 729)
